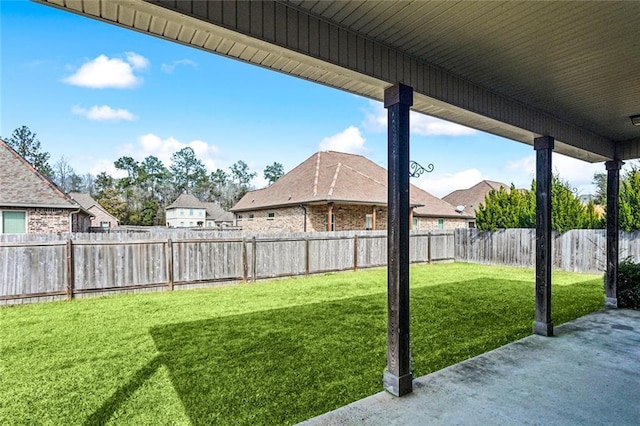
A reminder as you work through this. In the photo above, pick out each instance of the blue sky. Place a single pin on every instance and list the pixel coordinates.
(94, 92)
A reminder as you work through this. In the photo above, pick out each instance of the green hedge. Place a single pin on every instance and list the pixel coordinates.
(629, 284)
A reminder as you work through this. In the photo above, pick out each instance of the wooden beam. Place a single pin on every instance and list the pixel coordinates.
(398, 378)
(544, 148)
(613, 189)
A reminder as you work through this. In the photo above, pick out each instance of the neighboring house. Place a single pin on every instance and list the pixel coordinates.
(32, 204)
(217, 216)
(101, 218)
(189, 212)
(468, 200)
(337, 192)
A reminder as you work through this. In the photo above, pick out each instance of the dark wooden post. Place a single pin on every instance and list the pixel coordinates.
(245, 265)
(355, 252)
(170, 264)
(329, 217)
(70, 270)
(398, 376)
(307, 259)
(544, 148)
(254, 248)
(613, 189)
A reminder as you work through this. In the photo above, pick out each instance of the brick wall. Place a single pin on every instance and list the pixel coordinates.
(47, 221)
(286, 219)
(348, 217)
(101, 216)
(431, 223)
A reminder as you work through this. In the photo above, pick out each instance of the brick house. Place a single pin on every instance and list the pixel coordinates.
(471, 198)
(100, 217)
(32, 204)
(189, 212)
(338, 192)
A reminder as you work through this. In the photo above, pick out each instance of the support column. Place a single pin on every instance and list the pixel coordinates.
(373, 218)
(544, 148)
(398, 378)
(411, 219)
(613, 189)
(329, 217)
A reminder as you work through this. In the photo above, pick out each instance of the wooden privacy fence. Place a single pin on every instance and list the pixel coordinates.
(579, 250)
(50, 269)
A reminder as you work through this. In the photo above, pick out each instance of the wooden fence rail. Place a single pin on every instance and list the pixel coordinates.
(56, 267)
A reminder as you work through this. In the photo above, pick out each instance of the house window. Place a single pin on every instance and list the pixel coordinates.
(250, 216)
(239, 217)
(440, 223)
(271, 215)
(14, 222)
(181, 212)
(472, 224)
(333, 222)
(368, 222)
(415, 223)
(104, 224)
(190, 212)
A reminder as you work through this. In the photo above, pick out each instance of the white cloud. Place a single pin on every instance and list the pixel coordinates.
(151, 144)
(104, 113)
(578, 173)
(444, 184)
(375, 120)
(137, 61)
(169, 68)
(105, 165)
(104, 72)
(349, 140)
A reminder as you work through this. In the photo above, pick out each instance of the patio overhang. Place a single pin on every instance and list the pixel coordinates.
(515, 69)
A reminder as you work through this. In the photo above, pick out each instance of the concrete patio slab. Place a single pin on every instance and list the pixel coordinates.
(588, 374)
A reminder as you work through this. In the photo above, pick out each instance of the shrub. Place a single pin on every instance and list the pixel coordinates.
(629, 284)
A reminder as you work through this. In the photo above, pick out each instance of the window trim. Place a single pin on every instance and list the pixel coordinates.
(26, 220)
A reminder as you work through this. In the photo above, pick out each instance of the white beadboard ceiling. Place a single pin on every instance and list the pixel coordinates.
(518, 69)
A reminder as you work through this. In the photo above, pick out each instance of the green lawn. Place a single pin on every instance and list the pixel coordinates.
(275, 352)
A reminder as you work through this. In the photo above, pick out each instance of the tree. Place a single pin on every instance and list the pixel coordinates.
(26, 144)
(240, 177)
(516, 209)
(186, 170)
(62, 173)
(629, 199)
(273, 172)
(600, 182)
(103, 182)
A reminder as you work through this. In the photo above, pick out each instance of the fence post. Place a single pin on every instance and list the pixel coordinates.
(70, 269)
(429, 247)
(245, 266)
(306, 255)
(170, 264)
(355, 252)
(255, 256)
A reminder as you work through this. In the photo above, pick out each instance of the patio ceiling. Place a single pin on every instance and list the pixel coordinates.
(516, 69)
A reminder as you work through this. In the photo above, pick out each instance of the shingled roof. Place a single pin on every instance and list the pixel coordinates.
(186, 201)
(329, 176)
(472, 197)
(21, 185)
(87, 202)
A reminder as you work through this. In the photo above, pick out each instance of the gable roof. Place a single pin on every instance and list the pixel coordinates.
(186, 200)
(329, 176)
(88, 202)
(21, 185)
(472, 197)
(217, 213)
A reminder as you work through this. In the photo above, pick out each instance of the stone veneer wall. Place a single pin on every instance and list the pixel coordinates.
(47, 221)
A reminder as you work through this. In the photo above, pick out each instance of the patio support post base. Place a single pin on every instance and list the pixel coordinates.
(611, 302)
(544, 148)
(397, 386)
(397, 379)
(543, 328)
